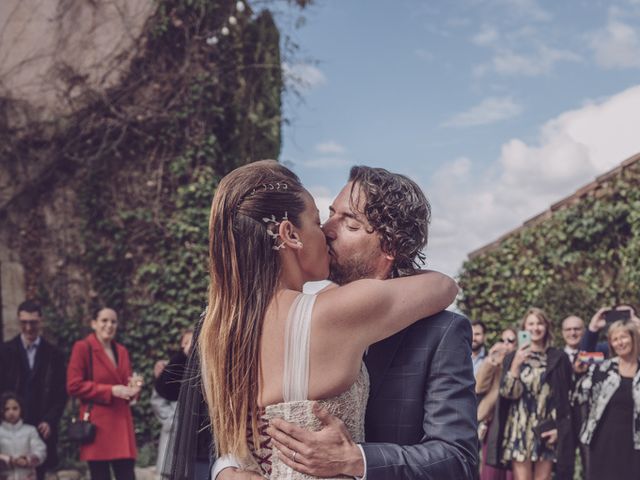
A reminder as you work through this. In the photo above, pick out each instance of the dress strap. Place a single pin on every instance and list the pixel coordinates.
(295, 384)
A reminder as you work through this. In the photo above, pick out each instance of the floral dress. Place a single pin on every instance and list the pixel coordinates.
(531, 404)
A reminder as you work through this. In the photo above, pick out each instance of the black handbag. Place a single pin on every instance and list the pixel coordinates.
(83, 431)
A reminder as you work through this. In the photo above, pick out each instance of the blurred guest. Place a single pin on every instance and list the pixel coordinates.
(180, 381)
(612, 388)
(478, 352)
(107, 390)
(164, 409)
(536, 383)
(21, 449)
(572, 333)
(35, 370)
(598, 322)
(487, 386)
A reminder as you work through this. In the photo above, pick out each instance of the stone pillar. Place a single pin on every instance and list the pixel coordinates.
(12, 291)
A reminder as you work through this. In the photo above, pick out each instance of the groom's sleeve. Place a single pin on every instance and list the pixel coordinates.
(448, 448)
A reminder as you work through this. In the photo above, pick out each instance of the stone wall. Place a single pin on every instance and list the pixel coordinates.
(51, 51)
(51, 48)
(11, 288)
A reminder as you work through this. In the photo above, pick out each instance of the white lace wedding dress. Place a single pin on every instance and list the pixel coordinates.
(349, 406)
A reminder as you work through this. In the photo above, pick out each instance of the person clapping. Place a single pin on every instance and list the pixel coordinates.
(612, 389)
(21, 448)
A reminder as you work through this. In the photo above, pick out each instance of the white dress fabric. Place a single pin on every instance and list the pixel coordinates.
(349, 406)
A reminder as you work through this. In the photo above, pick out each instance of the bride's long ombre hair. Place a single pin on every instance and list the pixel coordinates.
(244, 269)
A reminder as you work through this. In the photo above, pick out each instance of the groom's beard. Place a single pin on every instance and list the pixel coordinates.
(349, 270)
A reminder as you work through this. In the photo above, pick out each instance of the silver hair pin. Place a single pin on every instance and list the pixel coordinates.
(270, 186)
(275, 235)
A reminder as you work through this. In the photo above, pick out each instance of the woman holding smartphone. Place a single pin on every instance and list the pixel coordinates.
(535, 411)
(612, 388)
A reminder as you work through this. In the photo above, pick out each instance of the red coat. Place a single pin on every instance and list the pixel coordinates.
(115, 438)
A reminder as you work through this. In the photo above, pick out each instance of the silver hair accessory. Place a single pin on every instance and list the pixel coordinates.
(272, 222)
(270, 186)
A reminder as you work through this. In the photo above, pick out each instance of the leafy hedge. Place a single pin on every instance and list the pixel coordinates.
(585, 256)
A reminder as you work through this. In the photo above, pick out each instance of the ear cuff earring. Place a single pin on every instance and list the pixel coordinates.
(273, 224)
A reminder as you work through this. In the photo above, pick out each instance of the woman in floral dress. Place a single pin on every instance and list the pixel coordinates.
(535, 386)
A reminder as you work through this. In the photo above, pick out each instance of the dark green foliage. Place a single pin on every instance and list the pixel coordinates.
(585, 256)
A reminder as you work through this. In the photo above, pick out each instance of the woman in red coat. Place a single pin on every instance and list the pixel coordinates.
(110, 389)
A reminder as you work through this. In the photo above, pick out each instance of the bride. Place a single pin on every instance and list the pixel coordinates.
(266, 349)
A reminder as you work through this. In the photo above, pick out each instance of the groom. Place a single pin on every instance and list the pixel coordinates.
(421, 415)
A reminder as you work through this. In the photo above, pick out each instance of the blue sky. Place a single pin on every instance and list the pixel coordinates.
(497, 108)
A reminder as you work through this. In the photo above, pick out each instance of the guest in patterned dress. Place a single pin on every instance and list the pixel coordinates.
(612, 429)
(536, 412)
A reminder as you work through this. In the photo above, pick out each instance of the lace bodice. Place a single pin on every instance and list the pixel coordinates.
(349, 406)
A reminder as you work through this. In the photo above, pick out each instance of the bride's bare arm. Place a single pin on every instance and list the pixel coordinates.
(376, 309)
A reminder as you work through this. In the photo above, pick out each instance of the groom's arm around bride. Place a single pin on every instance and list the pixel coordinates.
(420, 422)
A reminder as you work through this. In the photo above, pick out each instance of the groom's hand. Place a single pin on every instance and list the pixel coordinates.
(326, 453)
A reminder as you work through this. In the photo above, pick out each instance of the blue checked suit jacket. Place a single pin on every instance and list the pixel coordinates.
(421, 415)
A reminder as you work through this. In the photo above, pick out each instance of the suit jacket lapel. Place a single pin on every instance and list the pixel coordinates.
(40, 360)
(379, 358)
(22, 355)
(100, 356)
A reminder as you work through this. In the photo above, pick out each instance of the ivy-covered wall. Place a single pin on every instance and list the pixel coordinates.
(584, 256)
(120, 215)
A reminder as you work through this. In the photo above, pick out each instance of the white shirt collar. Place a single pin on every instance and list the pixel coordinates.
(35, 344)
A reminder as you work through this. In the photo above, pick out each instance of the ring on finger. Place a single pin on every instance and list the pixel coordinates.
(294, 456)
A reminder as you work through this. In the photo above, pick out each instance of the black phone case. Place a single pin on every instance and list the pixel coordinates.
(544, 426)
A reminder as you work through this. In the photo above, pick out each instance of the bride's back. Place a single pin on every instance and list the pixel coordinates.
(332, 367)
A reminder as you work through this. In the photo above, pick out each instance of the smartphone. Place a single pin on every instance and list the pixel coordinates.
(591, 357)
(611, 316)
(544, 426)
(524, 337)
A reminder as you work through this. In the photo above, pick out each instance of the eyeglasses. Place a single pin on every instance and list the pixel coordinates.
(509, 340)
(572, 329)
(30, 323)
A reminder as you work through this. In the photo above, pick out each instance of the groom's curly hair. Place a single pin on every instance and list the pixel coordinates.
(398, 211)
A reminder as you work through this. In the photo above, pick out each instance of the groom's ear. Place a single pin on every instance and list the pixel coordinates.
(289, 235)
(390, 256)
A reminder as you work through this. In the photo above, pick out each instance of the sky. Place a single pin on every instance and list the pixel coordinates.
(497, 108)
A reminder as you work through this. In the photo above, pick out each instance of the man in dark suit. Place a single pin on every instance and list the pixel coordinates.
(421, 414)
(36, 371)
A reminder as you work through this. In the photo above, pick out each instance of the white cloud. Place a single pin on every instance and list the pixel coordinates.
(488, 35)
(527, 8)
(330, 147)
(304, 75)
(423, 54)
(490, 110)
(472, 208)
(616, 46)
(540, 62)
(326, 162)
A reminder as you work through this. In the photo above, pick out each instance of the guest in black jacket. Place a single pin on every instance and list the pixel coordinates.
(34, 369)
(534, 391)
(190, 444)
